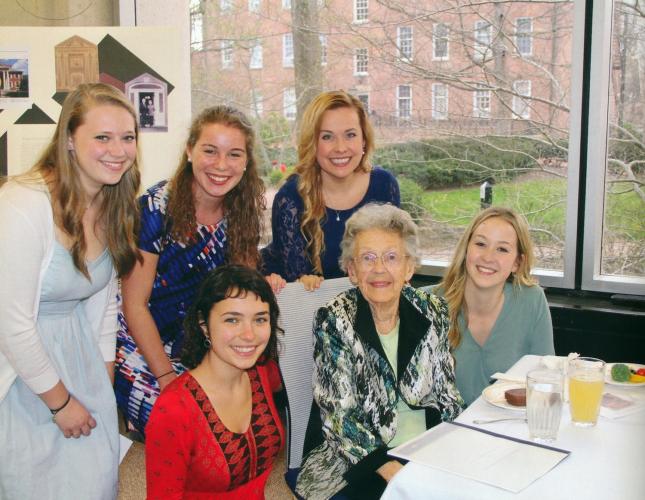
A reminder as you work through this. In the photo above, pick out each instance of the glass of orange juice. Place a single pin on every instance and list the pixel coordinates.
(586, 383)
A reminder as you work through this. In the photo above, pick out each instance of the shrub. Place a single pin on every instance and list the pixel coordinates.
(411, 198)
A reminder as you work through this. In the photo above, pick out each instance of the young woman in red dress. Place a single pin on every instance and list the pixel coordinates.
(214, 432)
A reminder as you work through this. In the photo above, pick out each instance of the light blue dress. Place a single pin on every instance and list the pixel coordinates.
(36, 460)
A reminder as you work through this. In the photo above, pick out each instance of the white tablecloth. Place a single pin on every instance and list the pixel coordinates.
(607, 461)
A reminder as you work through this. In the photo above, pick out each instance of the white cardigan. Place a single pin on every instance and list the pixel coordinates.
(26, 250)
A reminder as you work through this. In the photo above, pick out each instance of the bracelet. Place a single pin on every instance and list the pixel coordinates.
(55, 411)
(167, 373)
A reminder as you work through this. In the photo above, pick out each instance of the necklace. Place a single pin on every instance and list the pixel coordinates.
(337, 216)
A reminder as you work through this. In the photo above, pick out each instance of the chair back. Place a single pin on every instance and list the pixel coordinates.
(297, 309)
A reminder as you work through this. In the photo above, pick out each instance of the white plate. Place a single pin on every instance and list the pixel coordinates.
(632, 366)
(494, 394)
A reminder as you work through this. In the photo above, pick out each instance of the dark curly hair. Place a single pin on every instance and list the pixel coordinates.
(244, 205)
(224, 282)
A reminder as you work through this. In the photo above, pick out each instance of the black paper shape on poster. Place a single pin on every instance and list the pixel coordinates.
(34, 116)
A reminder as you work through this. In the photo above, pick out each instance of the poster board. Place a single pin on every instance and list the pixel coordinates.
(40, 65)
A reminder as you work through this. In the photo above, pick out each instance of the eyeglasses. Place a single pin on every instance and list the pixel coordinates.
(390, 260)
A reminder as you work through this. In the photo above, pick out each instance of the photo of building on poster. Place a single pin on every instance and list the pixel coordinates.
(14, 78)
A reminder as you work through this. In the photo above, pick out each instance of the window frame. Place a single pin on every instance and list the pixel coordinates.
(289, 103)
(481, 50)
(196, 15)
(436, 38)
(436, 114)
(478, 111)
(361, 56)
(599, 78)
(324, 48)
(256, 57)
(226, 55)
(407, 98)
(361, 7)
(409, 43)
(518, 101)
(287, 50)
(527, 35)
(225, 5)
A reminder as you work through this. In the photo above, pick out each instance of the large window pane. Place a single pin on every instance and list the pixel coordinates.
(459, 93)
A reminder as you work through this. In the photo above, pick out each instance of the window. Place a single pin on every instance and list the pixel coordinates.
(255, 61)
(360, 61)
(196, 25)
(440, 33)
(286, 4)
(365, 99)
(614, 233)
(481, 103)
(289, 103)
(225, 5)
(404, 102)
(439, 101)
(521, 90)
(257, 106)
(254, 5)
(483, 39)
(524, 35)
(404, 42)
(360, 11)
(323, 50)
(287, 50)
(226, 47)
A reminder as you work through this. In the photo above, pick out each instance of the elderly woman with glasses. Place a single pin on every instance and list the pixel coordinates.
(382, 365)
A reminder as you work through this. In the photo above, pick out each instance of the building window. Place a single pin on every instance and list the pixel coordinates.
(521, 90)
(365, 99)
(524, 35)
(196, 25)
(225, 5)
(440, 33)
(226, 47)
(289, 103)
(254, 5)
(483, 39)
(481, 103)
(360, 61)
(255, 61)
(404, 102)
(361, 9)
(286, 4)
(439, 101)
(287, 50)
(404, 42)
(323, 50)
(257, 106)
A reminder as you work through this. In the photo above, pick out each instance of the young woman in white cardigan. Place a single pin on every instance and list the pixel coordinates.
(67, 230)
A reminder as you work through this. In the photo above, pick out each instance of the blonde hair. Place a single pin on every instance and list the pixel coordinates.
(453, 283)
(308, 170)
(119, 212)
(244, 204)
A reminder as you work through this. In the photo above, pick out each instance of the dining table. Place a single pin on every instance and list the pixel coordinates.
(606, 461)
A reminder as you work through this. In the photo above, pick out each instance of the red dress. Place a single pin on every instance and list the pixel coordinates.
(190, 454)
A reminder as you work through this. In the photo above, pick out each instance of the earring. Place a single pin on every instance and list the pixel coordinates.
(207, 343)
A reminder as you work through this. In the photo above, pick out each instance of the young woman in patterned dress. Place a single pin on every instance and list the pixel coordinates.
(208, 214)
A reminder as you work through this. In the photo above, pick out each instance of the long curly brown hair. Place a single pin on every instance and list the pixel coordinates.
(119, 212)
(243, 205)
(308, 170)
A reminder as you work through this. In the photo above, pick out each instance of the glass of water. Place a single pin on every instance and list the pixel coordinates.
(544, 404)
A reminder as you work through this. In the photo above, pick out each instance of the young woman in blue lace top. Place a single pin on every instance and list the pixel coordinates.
(333, 179)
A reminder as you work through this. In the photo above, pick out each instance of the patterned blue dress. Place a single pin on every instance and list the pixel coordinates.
(180, 270)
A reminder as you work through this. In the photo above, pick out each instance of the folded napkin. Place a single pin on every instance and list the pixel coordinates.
(509, 378)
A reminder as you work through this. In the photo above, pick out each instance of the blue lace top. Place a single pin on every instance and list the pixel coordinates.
(287, 255)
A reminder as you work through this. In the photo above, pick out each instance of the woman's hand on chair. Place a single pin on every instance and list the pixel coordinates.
(311, 282)
(276, 281)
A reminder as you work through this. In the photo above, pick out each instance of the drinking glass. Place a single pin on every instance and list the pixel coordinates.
(586, 383)
(544, 403)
